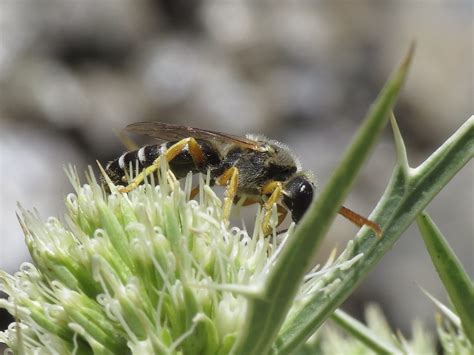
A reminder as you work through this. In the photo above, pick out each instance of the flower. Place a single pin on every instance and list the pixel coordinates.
(151, 271)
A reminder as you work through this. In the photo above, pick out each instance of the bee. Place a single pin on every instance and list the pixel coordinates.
(253, 168)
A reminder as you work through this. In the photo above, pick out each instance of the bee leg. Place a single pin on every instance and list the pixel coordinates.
(282, 213)
(230, 177)
(193, 147)
(250, 201)
(360, 221)
(275, 189)
(194, 192)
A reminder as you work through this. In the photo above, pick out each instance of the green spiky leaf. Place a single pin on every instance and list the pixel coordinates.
(459, 286)
(265, 315)
(409, 192)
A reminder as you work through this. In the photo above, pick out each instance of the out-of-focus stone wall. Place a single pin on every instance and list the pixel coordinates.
(304, 72)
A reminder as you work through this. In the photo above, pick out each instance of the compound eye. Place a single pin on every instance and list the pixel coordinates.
(305, 188)
(298, 196)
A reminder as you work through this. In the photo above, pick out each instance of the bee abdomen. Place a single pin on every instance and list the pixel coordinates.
(139, 159)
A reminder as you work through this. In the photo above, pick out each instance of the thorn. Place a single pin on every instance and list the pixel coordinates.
(409, 57)
(400, 146)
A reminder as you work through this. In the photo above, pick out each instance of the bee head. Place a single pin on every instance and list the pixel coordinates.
(298, 193)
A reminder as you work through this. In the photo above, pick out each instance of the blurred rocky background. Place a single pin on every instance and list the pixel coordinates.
(72, 73)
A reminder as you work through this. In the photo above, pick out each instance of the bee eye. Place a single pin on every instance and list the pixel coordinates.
(298, 196)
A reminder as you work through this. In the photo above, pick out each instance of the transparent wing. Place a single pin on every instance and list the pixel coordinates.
(171, 132)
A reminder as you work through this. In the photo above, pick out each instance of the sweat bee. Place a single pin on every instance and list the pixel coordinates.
(255, 168)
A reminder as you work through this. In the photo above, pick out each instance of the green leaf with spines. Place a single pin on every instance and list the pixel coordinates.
(409, 192)
(266, 314)
(459, 286)
(363, 333)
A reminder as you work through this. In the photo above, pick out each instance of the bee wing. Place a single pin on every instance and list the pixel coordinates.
(171, 132)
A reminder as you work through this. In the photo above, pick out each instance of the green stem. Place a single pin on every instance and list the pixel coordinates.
(409, 192)
(266, 314)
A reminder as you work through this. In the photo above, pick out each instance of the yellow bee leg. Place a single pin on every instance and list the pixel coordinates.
(193, 147)
(230, 177)
(195, 151)
(275, 189)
